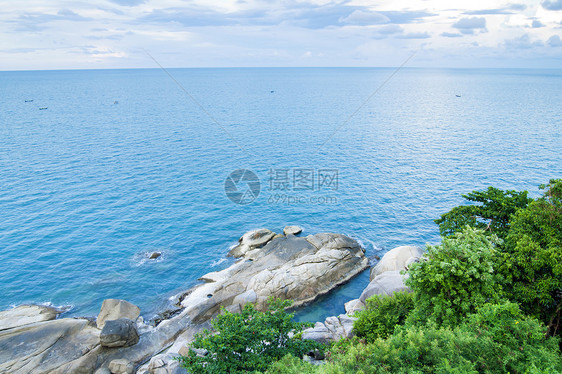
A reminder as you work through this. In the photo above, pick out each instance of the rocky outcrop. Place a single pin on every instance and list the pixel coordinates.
(396, 259)
(333, 329)
(386, 277)
(26, 314)
(112, 309)
(120, 332)
(387, 280)
(251, 240)
(386, 283)
(46, 347)
(292, 230)
(288, 267)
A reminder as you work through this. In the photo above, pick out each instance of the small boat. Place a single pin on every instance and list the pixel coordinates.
(271, 91)
(458, 95)
(28, 101)
(43, 108)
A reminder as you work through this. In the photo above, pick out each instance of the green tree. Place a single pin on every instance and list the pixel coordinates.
(492, 214)
(533, 257)
(455, 277)
(248, 341)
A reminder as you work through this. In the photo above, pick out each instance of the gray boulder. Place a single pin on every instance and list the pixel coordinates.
(291, 267)
(353, 306)
(333, 329)
(25, 315)
(119, 333)
(45, 347)
(292, 230)
(121, 366)
(112, 309)
(396, 259)
(387, 283)
(251, 240)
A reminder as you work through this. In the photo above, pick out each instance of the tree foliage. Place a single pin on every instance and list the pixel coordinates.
(492, 214)
(533, 257)
(247, 341)
(455, 277)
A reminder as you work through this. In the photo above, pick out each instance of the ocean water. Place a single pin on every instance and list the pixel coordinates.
(123, 163)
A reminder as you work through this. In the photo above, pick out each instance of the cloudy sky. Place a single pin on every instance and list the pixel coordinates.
(60, 34)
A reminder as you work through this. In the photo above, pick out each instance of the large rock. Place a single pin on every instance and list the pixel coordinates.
(47, 347)
(112, 309)
(387, 283)
(353, 306)
(120, 332)
(121, 366)
(299, 269)
(333, 329)
(396, 259)
(25, 315)
(251, 240)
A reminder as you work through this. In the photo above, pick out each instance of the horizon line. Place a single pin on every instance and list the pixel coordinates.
(285, 67)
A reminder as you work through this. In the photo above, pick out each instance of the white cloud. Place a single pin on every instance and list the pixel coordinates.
(555, 41)
(112, 33)
(468, 25)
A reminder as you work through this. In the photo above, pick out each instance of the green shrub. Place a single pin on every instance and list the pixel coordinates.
(291, 365)
(382, 314)
(247, 341)
(533, 257)
(455, 278)
(491, 215)
(496, 339)
(508, 341)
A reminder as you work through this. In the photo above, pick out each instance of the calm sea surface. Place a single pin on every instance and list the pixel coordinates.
(123, 163)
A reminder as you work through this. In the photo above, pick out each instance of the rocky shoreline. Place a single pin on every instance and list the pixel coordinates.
(33, 340)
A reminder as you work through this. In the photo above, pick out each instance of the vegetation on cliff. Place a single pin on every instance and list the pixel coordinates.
(486, 300)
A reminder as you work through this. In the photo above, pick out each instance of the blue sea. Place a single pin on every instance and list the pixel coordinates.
(122, 163)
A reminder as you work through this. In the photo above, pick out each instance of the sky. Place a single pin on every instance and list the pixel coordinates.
(101, 34)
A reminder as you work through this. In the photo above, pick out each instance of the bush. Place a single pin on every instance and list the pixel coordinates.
(382, 314)
(496, 339)
(247, 341)
(533, 257)
(455, 278)
(508, 341)
(291, 365)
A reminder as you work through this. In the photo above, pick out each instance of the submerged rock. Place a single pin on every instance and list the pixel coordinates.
(154, 255)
